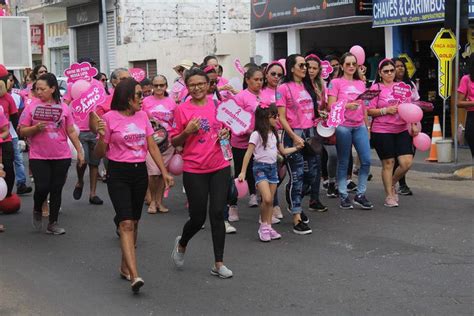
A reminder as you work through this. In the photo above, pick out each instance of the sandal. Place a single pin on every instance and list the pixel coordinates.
(152, 209)
(124, 276)
(162, 209)
(137, 284)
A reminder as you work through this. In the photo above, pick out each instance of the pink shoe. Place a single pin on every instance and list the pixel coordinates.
(274, 234)
(264, 233)
(277, 212)
(233, 213)
(274, 220)
(395, 193)
(390, 202)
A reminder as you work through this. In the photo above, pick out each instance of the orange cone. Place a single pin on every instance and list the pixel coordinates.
(437, 135)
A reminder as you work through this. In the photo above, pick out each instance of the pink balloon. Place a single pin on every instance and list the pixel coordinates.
(3, 189)
(176, 165)
(78, 88)
(359, 53)
(418, 125)
(410, 113)
(283, 63)
(422, 142)
(242, 188)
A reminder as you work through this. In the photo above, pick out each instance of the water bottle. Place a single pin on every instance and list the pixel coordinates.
(226, 149)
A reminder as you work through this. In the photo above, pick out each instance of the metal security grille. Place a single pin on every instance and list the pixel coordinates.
(111, 40)
(148, 65)
(87, 42)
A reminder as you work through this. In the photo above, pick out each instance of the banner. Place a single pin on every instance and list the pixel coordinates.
(234, 117)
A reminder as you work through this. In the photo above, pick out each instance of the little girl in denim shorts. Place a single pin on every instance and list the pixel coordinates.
(264, 145)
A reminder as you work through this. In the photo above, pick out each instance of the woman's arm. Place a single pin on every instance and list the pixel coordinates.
(462, 102)
(101, 146)
(286, 126)
(245, 163)
(72, 134)
(158, 159)
(4, 132)
(192, 127)
(289, 150)
(28, 131)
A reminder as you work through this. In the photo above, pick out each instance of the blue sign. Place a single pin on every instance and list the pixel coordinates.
(399, 12)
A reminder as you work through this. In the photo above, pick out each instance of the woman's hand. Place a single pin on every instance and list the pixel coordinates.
(299, 146)
(323, 114)
(193, 126)
(40, 126)
(101, 125)
(352, 105)
(414, 129)
(80, 158)
(227, 87)
(169, 181)
(224, 133)
(241, 177)
(392, 110)
(298, 141)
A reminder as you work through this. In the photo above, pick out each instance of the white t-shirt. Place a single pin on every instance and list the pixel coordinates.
(267, 154)
(17, 100)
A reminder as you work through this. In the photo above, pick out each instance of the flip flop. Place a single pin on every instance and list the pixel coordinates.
(124, 276)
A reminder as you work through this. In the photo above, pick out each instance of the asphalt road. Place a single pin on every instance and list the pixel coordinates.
(413, 260)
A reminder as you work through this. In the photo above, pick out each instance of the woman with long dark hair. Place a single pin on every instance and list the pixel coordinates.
(206, 173)
(353, 131)
(296, 102)
(48, 124)
(389, 133)
(125, 138)
(466, 101)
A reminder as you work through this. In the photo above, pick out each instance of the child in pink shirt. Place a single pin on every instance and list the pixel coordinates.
(264, 146)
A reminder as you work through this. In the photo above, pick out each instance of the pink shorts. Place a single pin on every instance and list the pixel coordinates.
(151, 166)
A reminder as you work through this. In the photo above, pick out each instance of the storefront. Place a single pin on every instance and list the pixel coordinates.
(57, 39)
(321, 27)
(410, 28)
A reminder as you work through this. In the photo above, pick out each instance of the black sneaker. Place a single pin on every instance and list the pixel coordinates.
(361, 201)
(351, 186)
(404, 190)
(332, 192)
(317, 206)
(96, 200)
(304, 218)
(23, 189)
(302, 229)
(346, 203)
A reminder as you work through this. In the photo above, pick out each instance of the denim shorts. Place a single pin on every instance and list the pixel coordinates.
(88, 141)
(265, 172)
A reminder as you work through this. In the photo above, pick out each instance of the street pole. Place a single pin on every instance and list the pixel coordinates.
(456, 79)
(444, 118)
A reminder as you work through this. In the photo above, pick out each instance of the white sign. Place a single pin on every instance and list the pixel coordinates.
(234, 117)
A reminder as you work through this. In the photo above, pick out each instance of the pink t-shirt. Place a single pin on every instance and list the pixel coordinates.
(126, 136)
(162, 110)
(9, 108)
(3, 122)
(298, 103)
(349, 90)
(51, 143)
(466, 87)
(104, 107)
(248, 102)
(267, 154)
(269, 94)
(391, 124)
(202, 152)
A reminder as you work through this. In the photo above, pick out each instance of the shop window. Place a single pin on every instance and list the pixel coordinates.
(148, 65)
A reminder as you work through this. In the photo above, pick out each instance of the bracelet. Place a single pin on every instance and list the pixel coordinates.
(382, 111)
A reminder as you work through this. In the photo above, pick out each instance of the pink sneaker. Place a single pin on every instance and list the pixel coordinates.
(390, 202)
(264, 233)
(274, 220)
(274, 234)
(395, 193)
(277, 212)
(233, 213)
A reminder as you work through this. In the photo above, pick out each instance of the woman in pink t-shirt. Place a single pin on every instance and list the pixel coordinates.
(352, 131)
(248, 100)
(389, 133)
(296, 101)
(125, 137)
(466, 101)
(160, 108)
(48, 124)
(206, 173)
(4, 132)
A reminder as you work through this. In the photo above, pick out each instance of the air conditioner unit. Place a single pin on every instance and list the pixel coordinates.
(15, 42)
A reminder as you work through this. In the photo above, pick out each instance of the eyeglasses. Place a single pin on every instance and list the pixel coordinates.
(103, 80)
(197, 86)
(388, 71)
(274, 116)
(161, 86)
(350, 64)
(43, 72)
(139, 94)
(335, 65)
(302, 66)
(276, 74)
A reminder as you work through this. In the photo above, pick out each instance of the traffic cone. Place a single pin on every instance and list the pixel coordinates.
(435, 136)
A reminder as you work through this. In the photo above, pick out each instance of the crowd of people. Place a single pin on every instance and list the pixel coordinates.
(285, 100)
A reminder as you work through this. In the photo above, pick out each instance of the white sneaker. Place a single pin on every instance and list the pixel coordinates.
(253, 201)
(274, 220)
(233, 213)
(277, 212)
(229, 229)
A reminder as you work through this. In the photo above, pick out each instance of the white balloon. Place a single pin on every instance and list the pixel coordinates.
(22, 145)
(236, 83)
(3, 189)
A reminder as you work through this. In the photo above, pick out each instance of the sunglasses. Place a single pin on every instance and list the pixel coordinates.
(213, 82)
(350, 64)
(274, 116)
(388, 71)
(139, 94)
(103, 80)
(302, 66)
(334, 65)
(161, 86)
(276, 74)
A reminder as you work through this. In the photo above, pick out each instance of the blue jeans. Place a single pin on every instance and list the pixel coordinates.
(20, 176)
(346, 136)
(302, 169)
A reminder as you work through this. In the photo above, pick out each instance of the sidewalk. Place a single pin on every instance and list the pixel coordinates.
(420, 164)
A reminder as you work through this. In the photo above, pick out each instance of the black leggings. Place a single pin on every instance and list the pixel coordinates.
(7, 160)
(469, 133)
(50, 176)
(201, 187)
(238, 155)
(127, 184)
